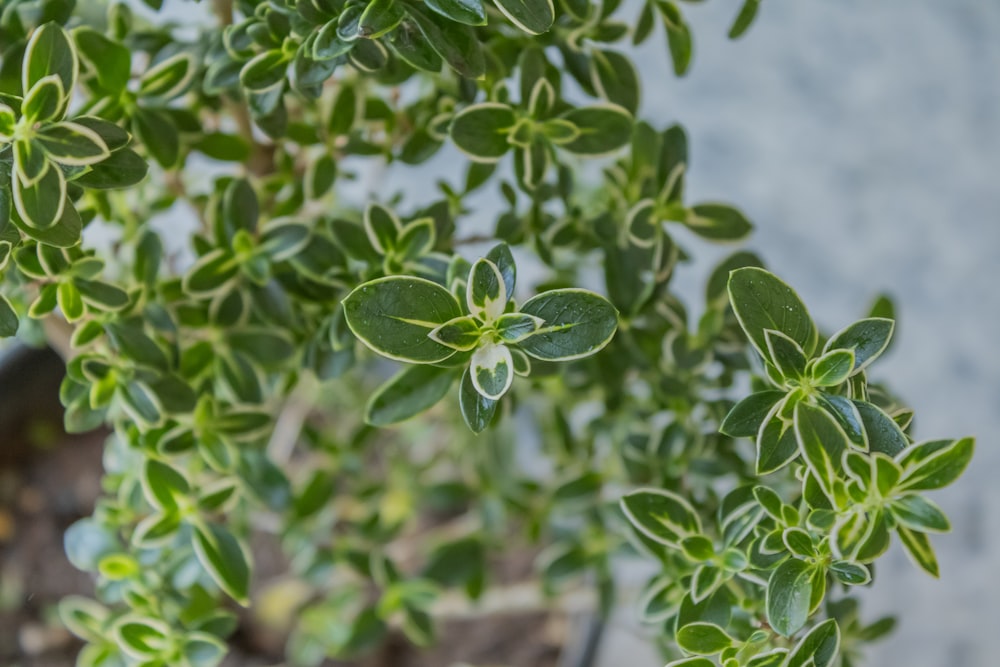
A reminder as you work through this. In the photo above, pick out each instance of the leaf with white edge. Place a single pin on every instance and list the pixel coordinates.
(461, 333)
(832, 368)
(918, 547)
(469, 12)
(72, 144)
(662, 516)
(8, 318)
(480, 131)
(492, 370)
(502, 257)
(868, 338)
(848, 416)
(408, 393)
(109, 61)
(477, 410)
(416, 239)
(456, 43)
(50, 51)
(202, 649)
(168, 78)
(851, 574)
(225, 559)
(919, 514)
(142, 638)
(614, 77)
(818, 648)
(30, 161)
(84, 617)
(789, 590)
(762, 301)
(691, 662)
(717, 222)
(577, 324)
(746, 417)
(70, 302)
(211, 274)
(602, 129)
(934, 465)
(265, 71)
(486, 293)
(515, 327)
(42, 204)
(8, 119)
(703, 638)
(884, 434)
(531, 16)
(822, 443)
(382, 227)
(786, 355)
(394, 315)
(46, 101)
(776, 443)
(163, 486)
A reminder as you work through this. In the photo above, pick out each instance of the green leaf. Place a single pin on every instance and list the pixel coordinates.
(919, 514)
(8, 318)
(163, 486)
(789, 590)
(110, 62)
(486, 293)
(785, 354)
(852, 574)
(918, 548)
(70, 302)
(744, 19)
(142, 638)
(267, 347)
(603, 129)
(762, 301)
(531, 16)
(615, 79)
(576, 324)
(157, 131)
(46, 101)
(469, 12)
(72, 144)
(717, 222)
(818, 648)
(935, 464)
(265, 71)
(747, 416)
(382, 227)
(867, 338)
(50, 51)
(210, 274)
(884, 434)
(822, 443)
(492, 370)
(832, 368)
(457, 44)
(124, 168)
(225, 559)
(168, 78)
(461, 333)
(678, 36)
(515, 327)
(380, 17)
(703, 639)
(408, 393)
(477, 410)
(101, 295)
(394, 315)
(662, 516)
(42, 204)
(480, 131)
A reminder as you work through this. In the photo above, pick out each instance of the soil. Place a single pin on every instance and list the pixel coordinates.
(48, 480)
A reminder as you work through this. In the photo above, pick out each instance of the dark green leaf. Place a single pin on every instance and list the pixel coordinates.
(407, 394)
(762, 301)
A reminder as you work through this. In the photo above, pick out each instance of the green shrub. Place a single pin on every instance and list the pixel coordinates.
(242, 375)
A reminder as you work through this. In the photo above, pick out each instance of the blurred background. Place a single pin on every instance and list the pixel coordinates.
(863, 139)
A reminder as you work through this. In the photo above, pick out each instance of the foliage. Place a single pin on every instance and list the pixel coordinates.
(235, 372)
